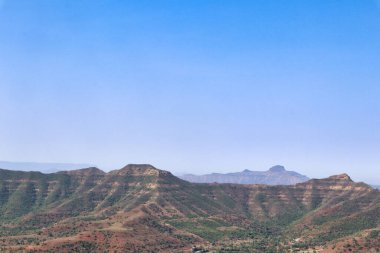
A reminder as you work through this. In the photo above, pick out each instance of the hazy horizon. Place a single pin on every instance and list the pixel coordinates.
(193, 86)
(48, 167)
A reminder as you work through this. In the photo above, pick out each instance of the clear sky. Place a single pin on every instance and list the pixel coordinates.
(193, 85)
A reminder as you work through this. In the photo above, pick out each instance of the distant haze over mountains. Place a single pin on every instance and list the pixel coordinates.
(277, 175)
(42, 167)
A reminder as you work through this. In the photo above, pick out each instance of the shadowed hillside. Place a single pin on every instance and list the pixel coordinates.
(142, 209)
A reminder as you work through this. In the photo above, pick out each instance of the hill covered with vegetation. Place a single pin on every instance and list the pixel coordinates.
(143, 209)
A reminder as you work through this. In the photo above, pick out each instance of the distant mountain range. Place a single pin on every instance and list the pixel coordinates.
(42, 167)
(277, 175)
(143, 209)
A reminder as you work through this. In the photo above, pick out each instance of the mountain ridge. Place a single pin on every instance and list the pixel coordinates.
(42, 166)
(276, 175)
(140, 208)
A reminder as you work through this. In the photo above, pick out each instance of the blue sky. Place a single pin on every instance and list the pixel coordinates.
(193, 86)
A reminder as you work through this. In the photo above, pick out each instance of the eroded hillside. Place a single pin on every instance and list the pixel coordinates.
(142, 209)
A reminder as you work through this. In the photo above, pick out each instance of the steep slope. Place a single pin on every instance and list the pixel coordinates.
(276, 175)
(355, 211)
(142, 209)
(25, 192)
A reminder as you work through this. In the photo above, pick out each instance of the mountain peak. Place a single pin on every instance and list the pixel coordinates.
(277, 168)
(88, 171)
(139, 166)
(341, 177)
(141, 170)
(138, 169)
(277, 175)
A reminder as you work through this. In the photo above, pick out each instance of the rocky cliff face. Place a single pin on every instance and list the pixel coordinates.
(277, 175)
(141, 208)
